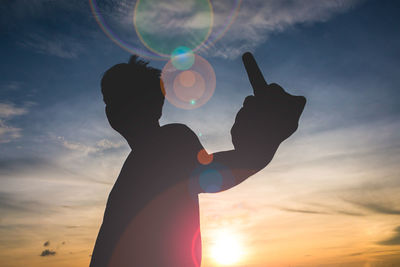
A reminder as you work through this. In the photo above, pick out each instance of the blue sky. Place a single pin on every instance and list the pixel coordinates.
(57, 150)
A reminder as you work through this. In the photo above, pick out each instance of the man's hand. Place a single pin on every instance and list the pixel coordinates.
(267, 118)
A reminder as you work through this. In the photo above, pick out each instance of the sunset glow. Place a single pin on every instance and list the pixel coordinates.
(226, 249)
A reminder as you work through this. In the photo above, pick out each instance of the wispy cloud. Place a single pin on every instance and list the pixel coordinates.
(8, 110)
(8, 132)
(307, 211)
(20, 9)
(255, 21)
(9, 166)
(99, 146)
(258, 19)
(58, 45)
(327, 210)
(379, 208)
(10, 86)
(394, 240)
(349, 213)
(11, 205)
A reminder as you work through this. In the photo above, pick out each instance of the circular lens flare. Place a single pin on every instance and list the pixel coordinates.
(187, 78)
(182, 58)
(210, 180)
(204, 158)
(188, 89)
(189, 86)
(223, 21)
(113, 29)
(162, 27)
(196, 24)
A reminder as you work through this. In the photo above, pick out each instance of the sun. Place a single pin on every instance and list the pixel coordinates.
(226, 249)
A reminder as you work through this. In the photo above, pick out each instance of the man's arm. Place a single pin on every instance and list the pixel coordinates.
(241, 166)
(266, 119)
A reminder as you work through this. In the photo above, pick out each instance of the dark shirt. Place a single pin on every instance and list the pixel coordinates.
(152, 214)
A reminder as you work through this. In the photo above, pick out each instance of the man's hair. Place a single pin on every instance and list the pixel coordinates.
(126, 81)
(132, 84)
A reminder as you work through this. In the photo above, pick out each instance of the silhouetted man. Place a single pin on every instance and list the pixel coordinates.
(152, 213)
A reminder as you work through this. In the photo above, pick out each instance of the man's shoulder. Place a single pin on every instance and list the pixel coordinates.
(178, 128)
(181, 133)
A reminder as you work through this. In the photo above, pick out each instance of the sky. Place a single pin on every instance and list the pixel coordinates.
(331, 195)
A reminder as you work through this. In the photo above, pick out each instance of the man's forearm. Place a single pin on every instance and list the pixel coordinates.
(242, 164)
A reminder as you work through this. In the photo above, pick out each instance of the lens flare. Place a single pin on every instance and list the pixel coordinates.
(223, 21)
(188, 89)
(210, 180)
(164, 26)
(196, 24)
(189, 86)
(204, 158)
(195, 250)
(187, 78)
(114, 28)
(182, 58)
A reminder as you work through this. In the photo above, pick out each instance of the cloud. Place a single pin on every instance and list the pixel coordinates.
(105, 144)
(8, 111)
(333, 210)
(10, 86)
(393, 241)
(379, 208)
(29, 22)
(62, 46)
(12, 204)
(303, 211)
(185, 19)
(327, 210)
(100, 146)
(20, 9)
(8, 133)
(258, 19)
(47, 252)
(35, 169)
(349, 213)
(22, 164)
(379, 194)
(355, 254)
(46, 244)
(254, 22)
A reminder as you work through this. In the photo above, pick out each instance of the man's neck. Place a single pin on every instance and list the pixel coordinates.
(142, 139)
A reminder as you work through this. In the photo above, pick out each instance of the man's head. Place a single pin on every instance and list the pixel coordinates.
(133, 97)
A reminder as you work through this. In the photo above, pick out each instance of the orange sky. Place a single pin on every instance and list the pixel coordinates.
(296, 212)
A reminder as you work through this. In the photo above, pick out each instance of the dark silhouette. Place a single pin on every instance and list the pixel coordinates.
(152, 213)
